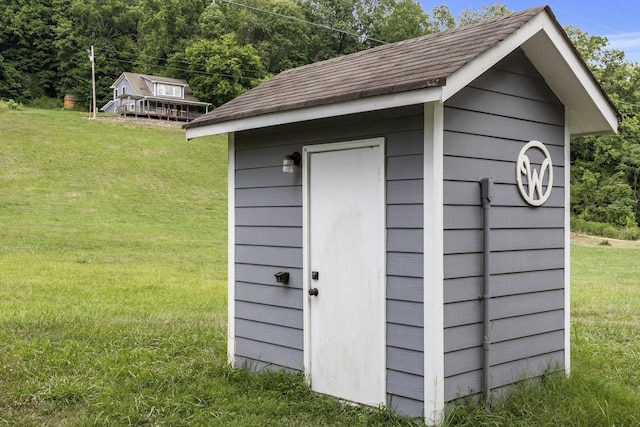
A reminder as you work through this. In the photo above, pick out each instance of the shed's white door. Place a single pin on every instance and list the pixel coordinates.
(345, 330)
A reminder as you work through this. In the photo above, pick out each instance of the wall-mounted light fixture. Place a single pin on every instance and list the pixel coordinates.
(282, 277)
(290, 161)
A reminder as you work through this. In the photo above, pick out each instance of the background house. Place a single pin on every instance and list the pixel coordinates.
(154, 97)
(379, 266)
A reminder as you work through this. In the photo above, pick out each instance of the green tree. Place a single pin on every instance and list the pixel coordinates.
(470, 16)
(407, 20)
(109, 26)
(614, 160)
(26, 43)
(442, 18)
(231, 68)
(165, 27)
(337, 14)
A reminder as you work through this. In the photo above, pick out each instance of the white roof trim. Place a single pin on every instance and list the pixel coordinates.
(118, 80)
(319, 112)
(589, 109)
(548, 50)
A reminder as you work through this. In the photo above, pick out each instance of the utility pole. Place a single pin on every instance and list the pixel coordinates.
(93, 80)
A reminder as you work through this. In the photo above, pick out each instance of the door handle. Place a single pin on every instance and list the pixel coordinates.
(313, 292)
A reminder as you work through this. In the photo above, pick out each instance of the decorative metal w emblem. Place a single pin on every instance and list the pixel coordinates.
(535, 178)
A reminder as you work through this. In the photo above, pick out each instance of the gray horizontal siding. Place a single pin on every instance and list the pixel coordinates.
(507, 374)
(270, 216)
(477, 123)
(468, 312)
(283, 296)
(403, 405)
(404, 192)
(517, 370)
(512, 239)
(271, 354)
(405, 385)
(405, 271)
(469, 169)
(269, 255)
(261, 274)
(405, 264)
(470, 217)
(405, 313)
(270, 196)
(405, 336)
(470, 288)
(501, 104)
(486, 126)
(405, 288)
(469, 336)
(273, 314)
(268, 236)
(468, 193)
(265, 332)
(490, 148)
(510, 81)
(405, 216)
(266, 177)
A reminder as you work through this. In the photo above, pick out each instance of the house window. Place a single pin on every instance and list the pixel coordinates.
(168, 90)
(124, 90)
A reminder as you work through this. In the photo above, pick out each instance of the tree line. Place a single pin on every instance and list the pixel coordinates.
(222, 48)
(226, 47)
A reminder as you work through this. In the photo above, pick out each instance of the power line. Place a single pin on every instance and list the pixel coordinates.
(178, 69)
(293, 18)
(177, 61)
(587, 20)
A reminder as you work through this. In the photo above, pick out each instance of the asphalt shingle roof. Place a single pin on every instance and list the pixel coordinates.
(392, 68)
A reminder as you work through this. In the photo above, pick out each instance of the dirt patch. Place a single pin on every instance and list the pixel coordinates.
(584, 240)
(139, 121)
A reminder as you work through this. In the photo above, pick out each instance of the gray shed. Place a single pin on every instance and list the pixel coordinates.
(418, 251)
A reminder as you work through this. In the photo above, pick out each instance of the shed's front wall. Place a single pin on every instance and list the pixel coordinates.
(268, 239)
(486, 125)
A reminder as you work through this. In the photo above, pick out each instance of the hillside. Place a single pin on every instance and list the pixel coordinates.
(109, 204)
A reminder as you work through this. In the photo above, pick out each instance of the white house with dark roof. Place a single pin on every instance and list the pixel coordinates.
(155, 97)
(399, 217)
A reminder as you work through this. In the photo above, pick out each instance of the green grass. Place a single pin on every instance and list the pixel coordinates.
(113, 284)
(113, 296)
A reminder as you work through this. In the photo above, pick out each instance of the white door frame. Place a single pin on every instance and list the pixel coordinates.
(306, 285)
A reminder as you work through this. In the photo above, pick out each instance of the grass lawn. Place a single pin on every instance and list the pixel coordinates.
(113, 296)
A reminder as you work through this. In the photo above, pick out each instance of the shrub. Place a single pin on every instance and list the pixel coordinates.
(10, 105)
(46, 103)
(604, 229)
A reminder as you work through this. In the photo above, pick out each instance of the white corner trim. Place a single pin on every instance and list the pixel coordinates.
(433, 263)
(319, 112)
(567, 247)
(231, 239)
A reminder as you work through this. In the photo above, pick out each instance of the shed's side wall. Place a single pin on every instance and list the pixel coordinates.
(486, 125)
(268, 233)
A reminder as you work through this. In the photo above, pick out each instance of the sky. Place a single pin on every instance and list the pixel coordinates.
(618, 20)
